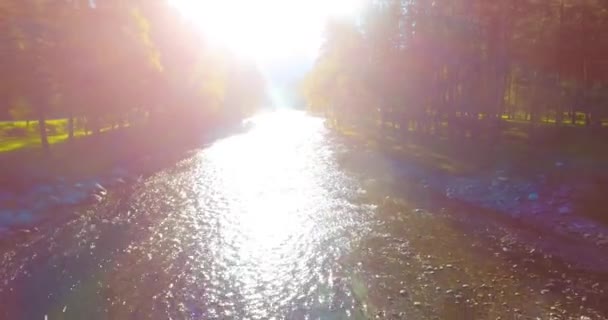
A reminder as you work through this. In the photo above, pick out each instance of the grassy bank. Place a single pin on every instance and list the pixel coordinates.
(520, 146)
(15, 135)
(90, 155)
(566, 156)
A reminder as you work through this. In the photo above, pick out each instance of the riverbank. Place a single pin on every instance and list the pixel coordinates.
(556, 192)
(281, 222)
(35, 187)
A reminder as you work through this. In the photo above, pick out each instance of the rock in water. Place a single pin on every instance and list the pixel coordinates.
(95, 198)
(603, 242)
(533, 196)
(99, 189)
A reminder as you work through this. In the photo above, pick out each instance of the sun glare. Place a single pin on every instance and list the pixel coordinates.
(266, 30)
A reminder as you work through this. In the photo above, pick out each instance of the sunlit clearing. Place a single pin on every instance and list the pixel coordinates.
(266, 30)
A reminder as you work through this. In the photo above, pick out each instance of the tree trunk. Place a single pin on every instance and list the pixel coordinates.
(586, 91)
(584, 67)
(573, 117)
(559, 113)
(71, 126)
(44, 141)
(95, 125)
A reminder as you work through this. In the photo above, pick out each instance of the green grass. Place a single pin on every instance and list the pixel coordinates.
(32, 139)
(88, 156)
(85, 156)
(4, 125)
(58, 133)
(24, 161)
(551, 121)
(15, 144)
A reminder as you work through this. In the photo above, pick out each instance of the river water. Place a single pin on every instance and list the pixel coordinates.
(286, 221)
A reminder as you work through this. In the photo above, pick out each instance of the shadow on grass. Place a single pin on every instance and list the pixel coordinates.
(553, 159)
(514, 149)
(139, 150)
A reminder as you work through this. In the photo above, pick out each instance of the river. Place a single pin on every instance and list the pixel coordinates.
(286, 221)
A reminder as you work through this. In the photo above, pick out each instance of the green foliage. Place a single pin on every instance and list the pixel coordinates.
(421, 63)
(112, 63)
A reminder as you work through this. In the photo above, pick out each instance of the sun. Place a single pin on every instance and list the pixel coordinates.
(266, 30)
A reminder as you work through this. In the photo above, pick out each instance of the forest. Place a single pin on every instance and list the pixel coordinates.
(468, 68)
(83, 67)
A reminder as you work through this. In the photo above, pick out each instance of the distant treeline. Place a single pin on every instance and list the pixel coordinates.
(116, 61)
(466, 64)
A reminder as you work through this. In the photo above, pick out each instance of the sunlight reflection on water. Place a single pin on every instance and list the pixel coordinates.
(272, 219)
(285, 221)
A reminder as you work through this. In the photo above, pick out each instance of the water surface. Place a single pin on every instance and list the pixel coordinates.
(286, 221)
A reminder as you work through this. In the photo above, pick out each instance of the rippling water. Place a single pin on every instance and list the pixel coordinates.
(259, 223)
(286, 221)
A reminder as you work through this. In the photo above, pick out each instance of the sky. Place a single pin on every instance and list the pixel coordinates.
(266, 30)
(282, 36)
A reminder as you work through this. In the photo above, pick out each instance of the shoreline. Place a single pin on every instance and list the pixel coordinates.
(44, 202)
(538, 204)
(29, 198)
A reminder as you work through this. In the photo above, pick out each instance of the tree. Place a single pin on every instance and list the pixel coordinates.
(20, 110)
(466, 63)
(112, 61)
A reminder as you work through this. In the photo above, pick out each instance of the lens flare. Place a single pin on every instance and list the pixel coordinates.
(266, 30)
